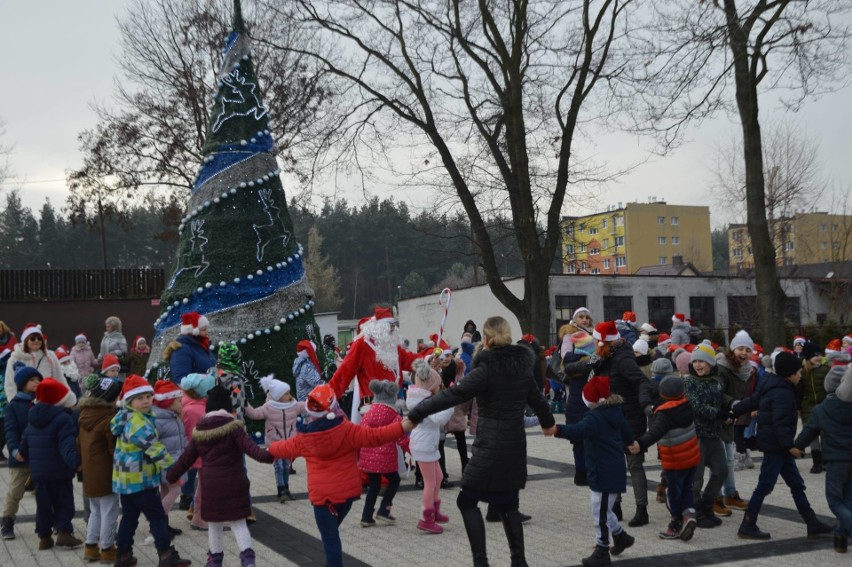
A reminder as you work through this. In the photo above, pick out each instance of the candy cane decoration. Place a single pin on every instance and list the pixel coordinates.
(443, 299)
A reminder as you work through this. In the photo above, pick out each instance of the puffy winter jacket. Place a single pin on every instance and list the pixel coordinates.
(833, 420)
(680, 334)
(674, 428)
(192, 412)
(707, 396)
(628, 381)
(307, 377)
(575, 373)
(190, 358)
(113, 343)
(15, 422)
(777, 415)
(427, 435)
(502, 383)
(381, 459)
(221, 441)
(626, 331)
(811, 388)
(96, 444)
(139, 456)
(280, 417)
(605, 435)
(330, 448)
(170, 430)
(50, 443)
(84, 359)
(45, 362)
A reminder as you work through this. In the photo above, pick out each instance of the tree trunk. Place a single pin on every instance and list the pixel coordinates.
(535, 317)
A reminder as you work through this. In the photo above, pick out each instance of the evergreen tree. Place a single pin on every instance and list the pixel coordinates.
(326, 282)
(238, 262)
(19, 246)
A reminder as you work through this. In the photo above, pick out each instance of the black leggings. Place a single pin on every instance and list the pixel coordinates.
(461, 445)
(465, 502)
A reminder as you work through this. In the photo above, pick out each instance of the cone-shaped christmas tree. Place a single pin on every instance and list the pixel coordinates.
(238, 262)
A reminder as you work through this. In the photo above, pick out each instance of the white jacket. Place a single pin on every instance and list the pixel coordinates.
(429, 432)
(46, 364)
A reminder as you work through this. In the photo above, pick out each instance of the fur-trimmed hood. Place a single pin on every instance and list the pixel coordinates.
(90, 401)
(215, 425)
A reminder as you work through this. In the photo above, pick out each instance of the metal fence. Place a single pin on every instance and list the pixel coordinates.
(51, 285)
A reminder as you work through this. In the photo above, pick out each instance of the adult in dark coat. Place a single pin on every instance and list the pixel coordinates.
(503, 385)
(193, 355)
(628, 381)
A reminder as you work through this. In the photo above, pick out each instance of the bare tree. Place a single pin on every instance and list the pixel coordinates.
(700, 53)
(494, 97)
(151, 132)
(5, 151)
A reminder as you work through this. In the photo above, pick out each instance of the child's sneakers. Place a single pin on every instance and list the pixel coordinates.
(673, 531)
(688, 525)
(385, 518)
(428, 524)
(7, 529)
(367, 523)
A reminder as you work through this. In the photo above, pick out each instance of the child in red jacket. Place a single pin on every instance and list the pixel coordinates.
(330, 446)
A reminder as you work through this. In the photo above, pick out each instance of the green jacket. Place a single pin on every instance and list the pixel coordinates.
(811, 389)
(139, 456)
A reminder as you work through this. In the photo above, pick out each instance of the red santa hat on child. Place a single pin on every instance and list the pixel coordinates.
(110, 361)
(191, 323)
(664, 339)
(799, 340)
(307, 349)
(133, 386)
(55, 393)
(62, 354)
(834, 346)
(605, 332)
(678, 318)
(595, 390)
(136, 341)
(165, 393)
(629, 316)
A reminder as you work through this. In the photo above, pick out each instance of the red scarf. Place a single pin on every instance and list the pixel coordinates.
(203, 341)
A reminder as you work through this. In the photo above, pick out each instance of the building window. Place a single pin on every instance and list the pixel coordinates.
(661, 240)
(823, 245)
(571, 229)
(565, 306)
(737, 252)
(606, 264)
(572, 268)
(619, 241)
(582, 266)
(660, 311)
(835, 246)
(835, 227)
(702, 310)
(606, 243)
(619, 221)
(823, 227)
(675, 221)
(616, 305)
(748, 250)
(594, 251)
(582, 227)
(596, 271)
(664, 260)
(582, 247)
(661, 220)
(736, 236)
(675, 240)
(604, 223)
(569, 248)
(793, 312)
(789, 245)
(593, 230)
(621, 262)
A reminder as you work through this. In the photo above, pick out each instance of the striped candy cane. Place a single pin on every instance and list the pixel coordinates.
(443, 299)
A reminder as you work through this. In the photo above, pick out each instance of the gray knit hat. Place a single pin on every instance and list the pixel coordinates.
(832, 379)
(704, 352)
(384, 392)
(661, 367)
(742, 338)
(671, 388)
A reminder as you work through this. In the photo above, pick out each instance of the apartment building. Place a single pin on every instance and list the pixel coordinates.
(804, 238)
(625, 238)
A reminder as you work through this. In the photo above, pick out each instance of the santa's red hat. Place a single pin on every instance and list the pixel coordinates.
(834, 346)
(165, 393)
(191, 323)
(360, 324)
(55, 393)
(62, 353)
(799, 340)
(433, 342)
(110, 361)
(30, 329)
(596, 389)
(383, 314)
(629, 316)
(133, 386)
(605, 332)
(678, 318)
(307, 347)
(664, 339)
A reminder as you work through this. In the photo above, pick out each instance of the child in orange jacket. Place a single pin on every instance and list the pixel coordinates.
(330, 446)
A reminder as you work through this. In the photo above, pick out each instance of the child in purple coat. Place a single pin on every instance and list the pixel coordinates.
(221, 441)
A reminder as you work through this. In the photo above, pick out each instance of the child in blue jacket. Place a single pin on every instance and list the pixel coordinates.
(605, 435)
(50, 444)
(26, 379)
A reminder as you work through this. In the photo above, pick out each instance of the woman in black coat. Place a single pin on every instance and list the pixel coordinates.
(503, 385)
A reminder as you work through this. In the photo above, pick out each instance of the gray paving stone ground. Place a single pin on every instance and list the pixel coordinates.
(560, 533)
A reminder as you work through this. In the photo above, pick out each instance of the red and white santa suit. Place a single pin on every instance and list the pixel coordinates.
(364, 359)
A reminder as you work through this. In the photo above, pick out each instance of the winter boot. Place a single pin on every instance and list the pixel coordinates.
(124, 559)
(491, 514)
(45, 543)
(720, 509)
(169, 557)
(841, 543)
(247, 558)
(749, 530)
(185, 502)
(600, 558)
(735, 502)
(688, 524)
(107, 556)
(91, 553)
(7, 528)
(616, 509)
(427, 522)
(706, 518)
(439, 517)
(580, 478)
(815, 527)
(215, 559)
(661, 493)
(475, 528)
(67, 539)
(621, 541)
(818, 466)
(514, 528)
(640, 518)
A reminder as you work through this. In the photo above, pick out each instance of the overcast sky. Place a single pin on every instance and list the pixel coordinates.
(59, 56)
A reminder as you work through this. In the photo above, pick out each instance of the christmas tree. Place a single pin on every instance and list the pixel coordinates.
(238, 262)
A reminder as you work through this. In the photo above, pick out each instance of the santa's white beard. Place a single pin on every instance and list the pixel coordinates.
(385, 339)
